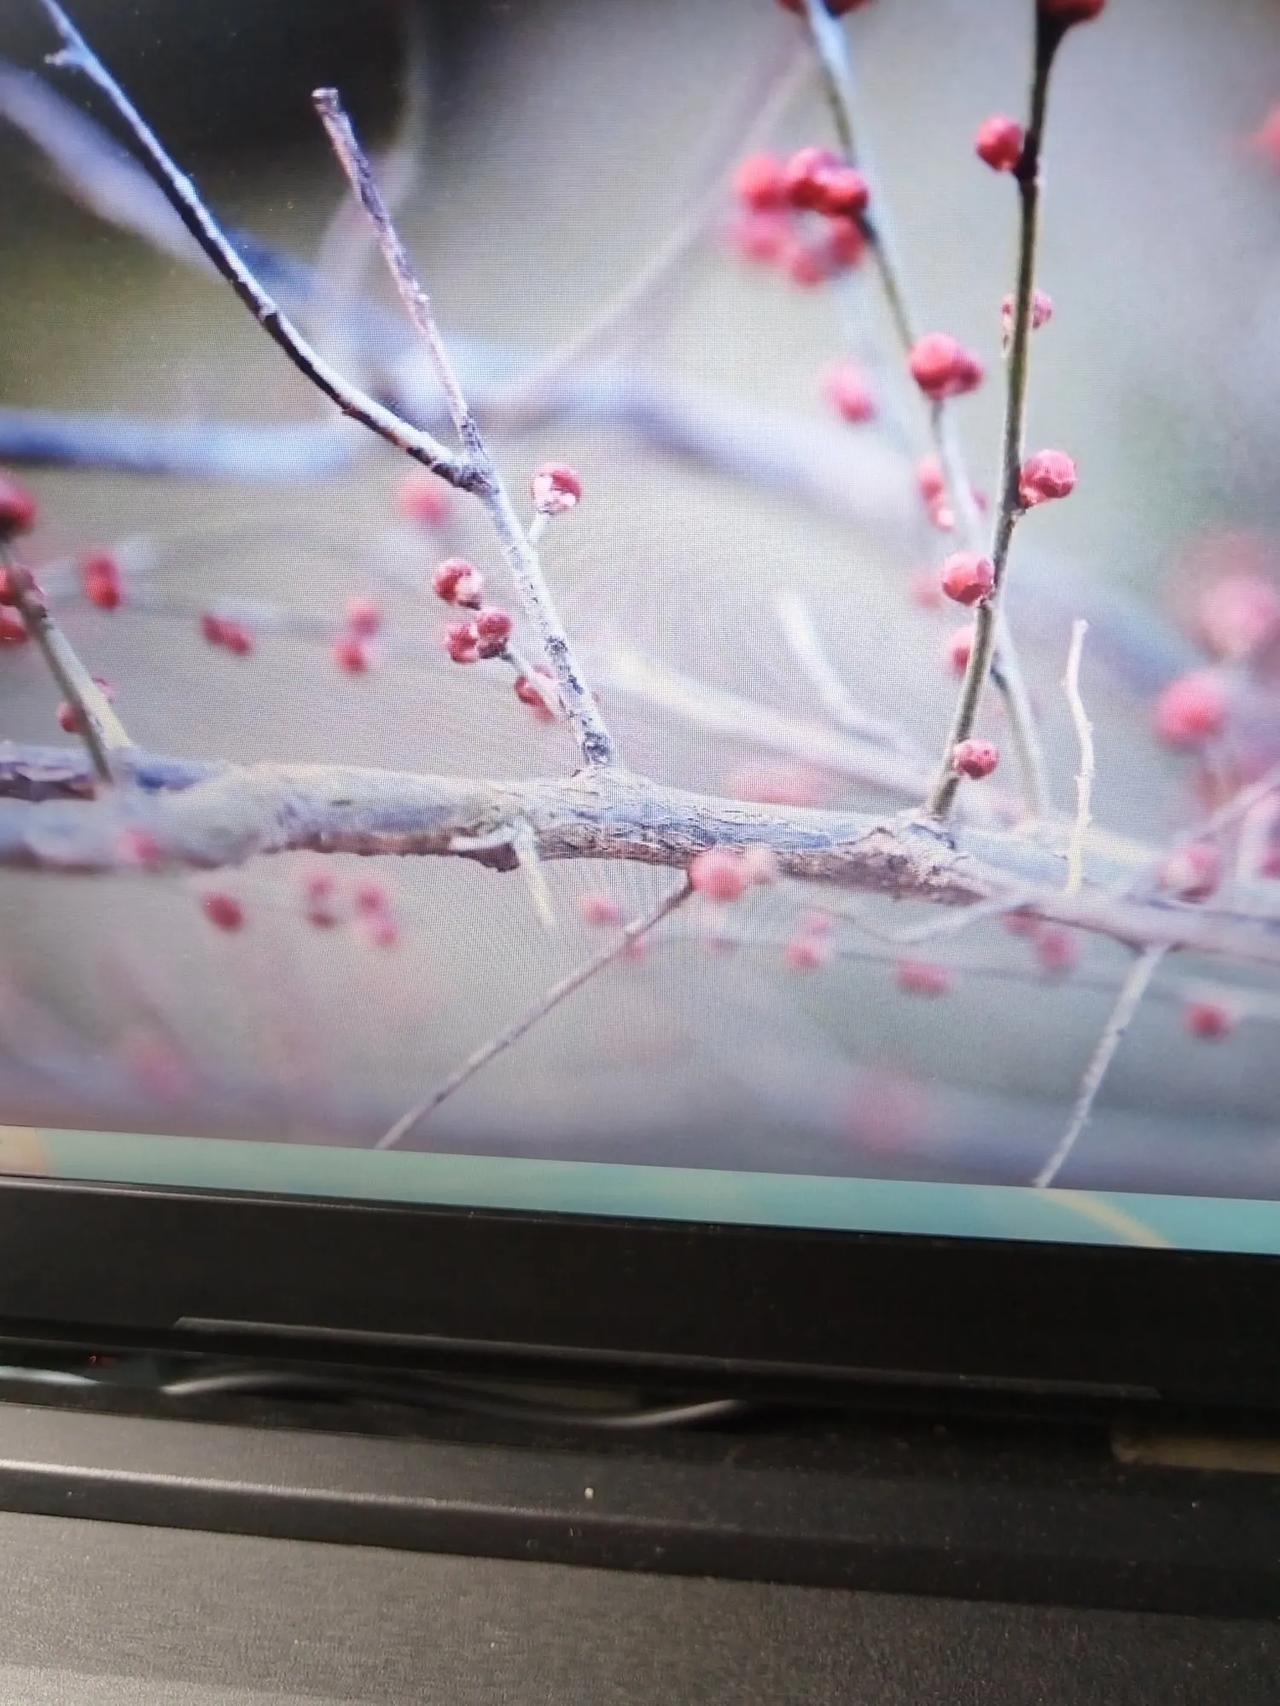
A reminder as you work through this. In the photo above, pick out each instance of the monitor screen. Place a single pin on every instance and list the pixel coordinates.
(660, 609)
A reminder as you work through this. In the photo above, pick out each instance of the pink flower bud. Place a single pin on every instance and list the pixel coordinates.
(18, 508)
(351, 654)
(922, 977)
(237, 639)
(363, 617)
(848, 392)
(1209, 1020)
(1057, 950)
(806, 264)
(759, 184)
(222, 909)
(139, 849)
(527, 693)
(69, 719)
(780, 785)
(1192, 872)
(101, 581)
(924, 590)
(1238, 616)
(381, 931)
(719, 873)
(842, 193)
(13, 630)
(457, 581)
(968, 577)
(760, 236)
(319, 893)
(462, 642)
(806, 953)
(1046, 475)
(211, 628)
(1067, 12)
(599, 910)
(930, 479)
(999, 142)
(942, 367)
(492, 630)
(371, 898)
(761, 865)
(555, 488)
(974, 758)
(959, 649)
(1041, 312)
(423, 498)
(805, 175)
(1191, 710)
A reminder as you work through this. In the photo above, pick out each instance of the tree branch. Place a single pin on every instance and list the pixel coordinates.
(551, 998)
(181, 193)
(1088, 763)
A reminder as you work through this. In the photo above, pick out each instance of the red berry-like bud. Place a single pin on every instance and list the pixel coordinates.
(1192, 872)
(1191, 710)
(942, 367)
(461, 642)
(1057, 950)
(139, 848)
(527, 693)
(999, 142)
(1041, 312)
(351, 654)
(101, 580)
(13, 630)
(318, 892)
(493, 625)
(759, 184)
(922, 977)
(222, 909)
(760, 236)
(807, 264)
(555, 488)
(960, 648)
(363, 617)
(1209, 1020)
(842, 193)
(381, 931)
(211, 628)
(371, 898)
(18, 508)
(423, 498)
(968, 577)
(719, 873)
(457, 581)
(975, 759)
(846, 389)
(805, 952)
(1066, 12)
(1239, 616)
(237, 639)
(599, 909)
(845, 245)
(805, 175)
(1046, 475)
(930, 479)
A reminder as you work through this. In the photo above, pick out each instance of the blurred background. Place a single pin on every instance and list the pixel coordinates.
(542, 152)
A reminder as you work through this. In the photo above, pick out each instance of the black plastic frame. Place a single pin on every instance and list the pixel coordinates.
(772, 1310)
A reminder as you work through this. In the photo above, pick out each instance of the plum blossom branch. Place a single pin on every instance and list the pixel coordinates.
(180, 192)
(559, 991)
(1129, 999)
(594, 740)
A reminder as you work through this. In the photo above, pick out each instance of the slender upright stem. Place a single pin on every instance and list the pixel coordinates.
(594, 740)
(834, 63)
(988, 630)
(96, 722)
(1088, 761)
(183, 197)
(1131, 993)
(558, 992)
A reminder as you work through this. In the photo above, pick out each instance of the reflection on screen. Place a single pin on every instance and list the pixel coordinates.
(764, 708)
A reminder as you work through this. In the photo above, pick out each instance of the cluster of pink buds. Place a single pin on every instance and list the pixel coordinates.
(555, 488)
(1041, 313)
(484, 636)
(922, 977)
(18, 508)
(848, 390)
(325, 906)
(457, 581)
(933, 489)
(351, 650)
(809, 946)
(424, 499)
(69, 718)
(101, 580)
(1057, 951)
(13, 630)
(959, 649)
(1045, 476)
(230, 636)
(942, 367)
(999, 142)
(724, 874)
(778, 197)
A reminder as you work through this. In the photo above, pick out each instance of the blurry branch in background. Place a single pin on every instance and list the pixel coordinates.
(594, 740)
(989, 631)
(832, 50)
(1088, 763)
(210, 815)
(1128, 1001)
(626, 941)
(805, 642)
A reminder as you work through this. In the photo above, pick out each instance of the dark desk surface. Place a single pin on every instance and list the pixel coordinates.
(104, 1613)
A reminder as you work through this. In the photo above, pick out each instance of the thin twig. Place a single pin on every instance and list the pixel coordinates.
(1088, 763)
(549, 999)
(988, 632)
(181, 193)
(801, 634)
(96, 722)
(1130, 997)
(832, 49)
(594, 740)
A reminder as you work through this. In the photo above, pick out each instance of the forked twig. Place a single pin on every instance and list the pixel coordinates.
(1132, 990)
(550, 998)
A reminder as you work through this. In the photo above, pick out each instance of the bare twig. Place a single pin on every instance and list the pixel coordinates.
(835, 64)
(180, 192)
(96, 722)
(801, 634)
(594, 740)
(549, 999)
(1128, 1001)
(1088, 764)
(988, 632)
